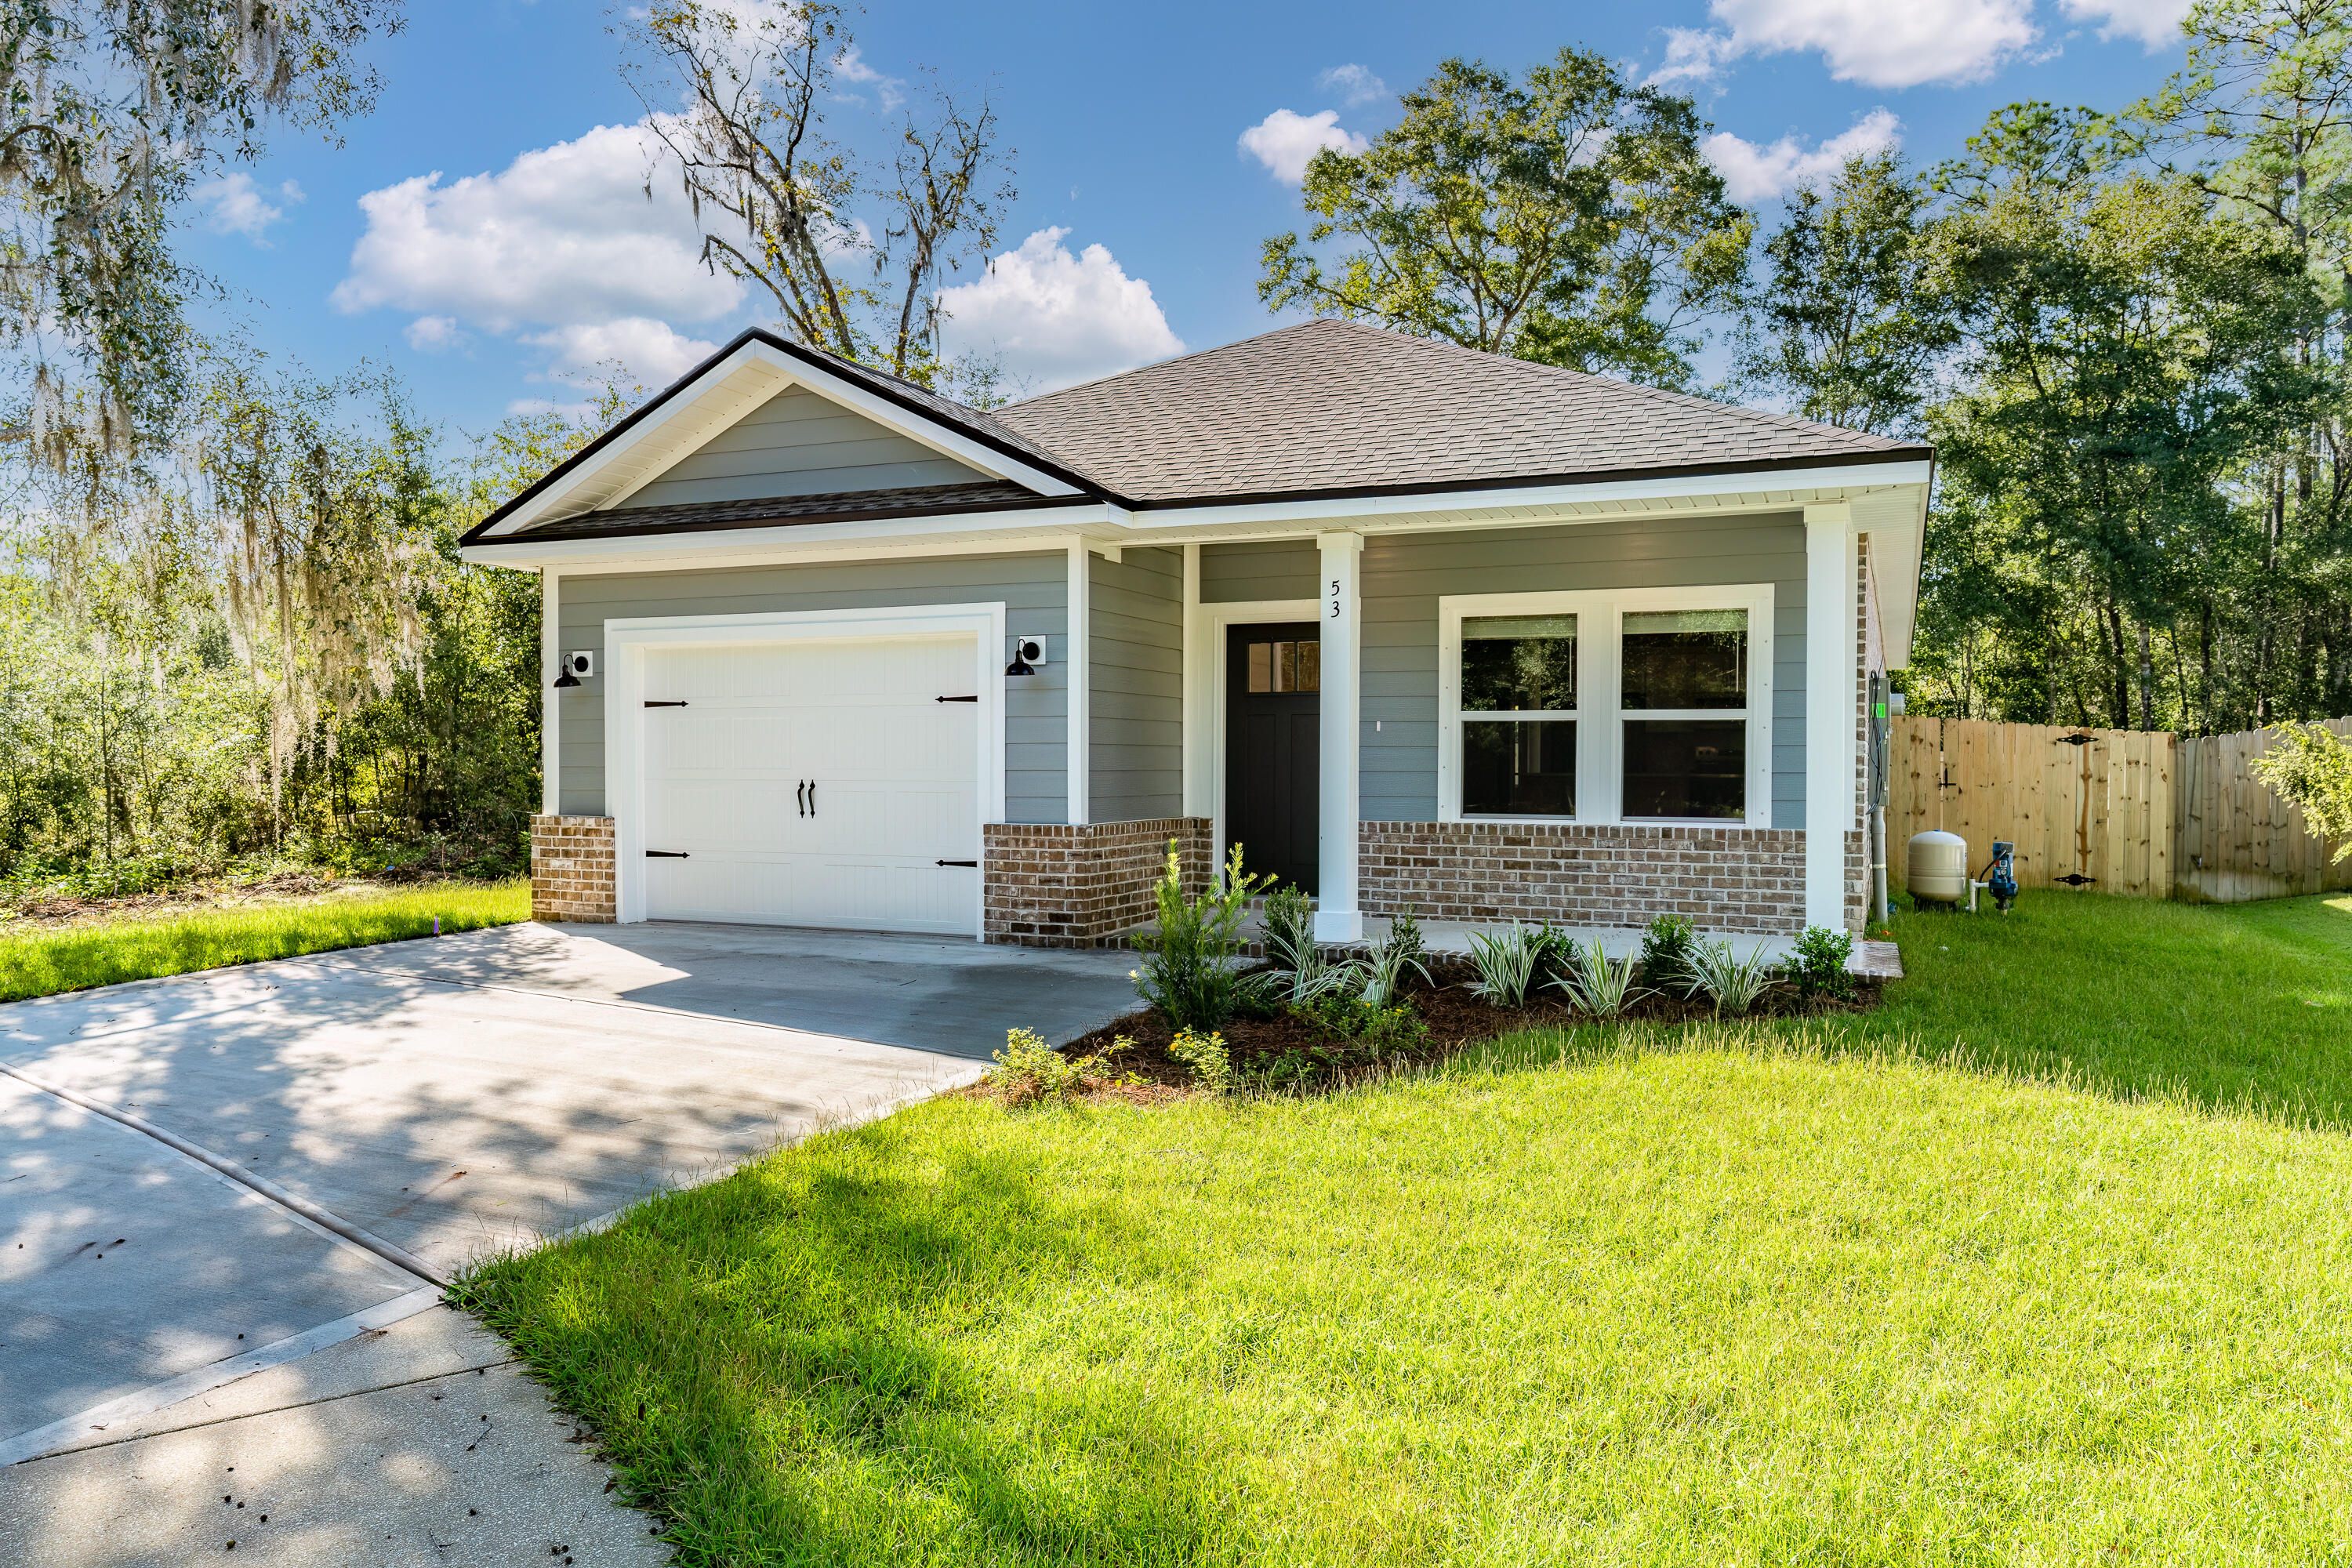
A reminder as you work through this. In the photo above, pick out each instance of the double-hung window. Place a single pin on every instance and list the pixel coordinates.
(1635, 705)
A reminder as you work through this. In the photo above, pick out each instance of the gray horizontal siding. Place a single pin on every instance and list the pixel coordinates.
(798, 444)
(1237, 573)
(1034, 590)
(1136, 729)
(1404, 576)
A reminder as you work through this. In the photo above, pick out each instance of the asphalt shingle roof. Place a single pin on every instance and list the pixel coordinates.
(847, 506)
(1331, 406)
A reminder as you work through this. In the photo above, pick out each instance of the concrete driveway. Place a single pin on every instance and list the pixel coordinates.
(447, 1097)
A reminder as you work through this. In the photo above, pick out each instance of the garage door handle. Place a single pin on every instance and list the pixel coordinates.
(801, 794)
(665, 704)
(954, 700)
(956, 862)
(666, 855)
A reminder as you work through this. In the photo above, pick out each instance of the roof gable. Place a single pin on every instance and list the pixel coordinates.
(1334, 407)
(764, 417)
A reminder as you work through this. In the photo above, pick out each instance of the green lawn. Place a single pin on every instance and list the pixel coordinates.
(2006, 1273)
(72, 958)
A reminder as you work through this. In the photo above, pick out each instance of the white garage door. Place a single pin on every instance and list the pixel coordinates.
(813, 784)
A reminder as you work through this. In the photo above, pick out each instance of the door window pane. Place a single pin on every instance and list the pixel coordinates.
(1518, 767)
(1686, 767)
(1685, 659)
(1518, 664)
(1285, 665)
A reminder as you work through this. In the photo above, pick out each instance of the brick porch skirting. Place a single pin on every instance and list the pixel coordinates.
(1062, 886)
(1725, 878)
(571, 869)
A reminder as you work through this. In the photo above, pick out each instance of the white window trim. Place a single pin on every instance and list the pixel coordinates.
(1599, 748)
(627, 640)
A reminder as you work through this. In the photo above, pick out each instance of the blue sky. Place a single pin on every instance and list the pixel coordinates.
(484, 233)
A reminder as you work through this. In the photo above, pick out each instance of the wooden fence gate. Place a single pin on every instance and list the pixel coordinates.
(2088, 809)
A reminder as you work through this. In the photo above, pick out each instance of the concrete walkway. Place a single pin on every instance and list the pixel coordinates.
(451, 1098)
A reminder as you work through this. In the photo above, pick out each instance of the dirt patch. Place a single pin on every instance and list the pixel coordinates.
(56, 912)
(1300, 1050)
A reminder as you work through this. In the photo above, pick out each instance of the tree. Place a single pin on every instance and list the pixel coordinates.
(1844, 328)
(107, 115)
(780, 200)
(2312, 769)
(1569, 218)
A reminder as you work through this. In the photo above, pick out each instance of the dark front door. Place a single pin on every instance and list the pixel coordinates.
(1274, 718)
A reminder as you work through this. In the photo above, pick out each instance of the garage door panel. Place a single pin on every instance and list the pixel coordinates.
(895, 771)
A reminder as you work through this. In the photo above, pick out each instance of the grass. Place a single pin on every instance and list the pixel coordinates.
(2048, 1262)
(39, 963)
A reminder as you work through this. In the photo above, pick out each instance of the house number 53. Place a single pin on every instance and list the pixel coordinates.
(1335, 599)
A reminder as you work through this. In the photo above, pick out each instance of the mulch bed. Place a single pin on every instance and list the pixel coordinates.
(1455, 1019)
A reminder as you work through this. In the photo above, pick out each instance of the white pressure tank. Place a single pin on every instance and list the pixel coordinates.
(1938, 868)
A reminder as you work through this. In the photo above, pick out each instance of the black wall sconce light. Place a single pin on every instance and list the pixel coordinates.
(1027, 654)
(572, 666)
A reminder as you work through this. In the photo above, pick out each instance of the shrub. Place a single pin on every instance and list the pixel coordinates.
(1029, 1071)
(2311, 768)
(1405, 930)
(1188, 970)
(1382, 969)
(1380, 1029)
(1666, 947)
(1594, 985)
(1211, 1064)
(1506, 961)
(1817, 966)
(1732, 982)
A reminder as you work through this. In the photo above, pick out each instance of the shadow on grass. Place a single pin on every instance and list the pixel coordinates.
(2243, 1008)
(792, 1364)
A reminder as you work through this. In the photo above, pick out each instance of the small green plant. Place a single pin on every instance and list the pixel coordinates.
(2312, 770)
(1381, 971)
(1205, 1055)
(1029, 1071)
(1818, 966)
(1666, 945)
(1379, 1029)
(1733, 983)
(1301, 972)
(1188, 971)
(1506, 961)
(1594, 984)
(1405, 930)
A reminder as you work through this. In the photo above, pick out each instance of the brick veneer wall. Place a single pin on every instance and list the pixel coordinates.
(1061, 886)
(571, 869)
(1725, 878)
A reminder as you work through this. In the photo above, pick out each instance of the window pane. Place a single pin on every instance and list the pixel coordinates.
(1310, 667)
(1519, 663)
(1686, 767)
(1686, 658)
(1261, 666)
(1286, 667)
(1518, 767)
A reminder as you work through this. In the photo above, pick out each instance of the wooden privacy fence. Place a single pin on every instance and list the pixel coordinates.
(2086, 808)
(2140, 813)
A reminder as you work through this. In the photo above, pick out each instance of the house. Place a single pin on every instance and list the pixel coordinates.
(1418, 627)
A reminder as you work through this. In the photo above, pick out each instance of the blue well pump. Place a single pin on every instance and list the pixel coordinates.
(2001, 880)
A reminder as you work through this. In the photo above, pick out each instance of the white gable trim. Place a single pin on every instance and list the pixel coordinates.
(715, 400)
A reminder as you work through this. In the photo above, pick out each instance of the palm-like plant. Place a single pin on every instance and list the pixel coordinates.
(1732, 982)
(1594, 985)
(1382, 969)
(1506, 961)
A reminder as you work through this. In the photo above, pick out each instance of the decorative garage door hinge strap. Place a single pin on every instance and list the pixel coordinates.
(666, 854)
(955, 699)
(665, 704)
(958, 863)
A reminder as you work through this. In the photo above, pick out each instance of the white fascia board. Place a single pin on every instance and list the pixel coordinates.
(1179, 520)
(1896, 524)
(996, 530)
(773, 371)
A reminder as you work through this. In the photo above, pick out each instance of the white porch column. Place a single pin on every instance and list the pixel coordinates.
(1831, 695)
(1199, 704)
(1078, 672)
(1337, 918)
(551, 702)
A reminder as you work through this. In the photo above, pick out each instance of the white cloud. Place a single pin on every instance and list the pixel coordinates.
(1287, 142)
(650, 351)
(562, 235)
(2155, 23)
(1882, 43)
(578, 413)
(232, 204)
(1057, 319)
(1353, 83)
(1756, 174)
(851, 66)
(432, 334)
